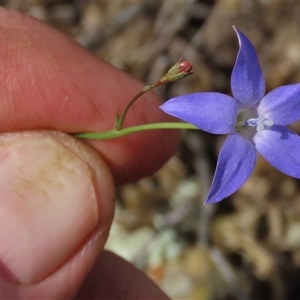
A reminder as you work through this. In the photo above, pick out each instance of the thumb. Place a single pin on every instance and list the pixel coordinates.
(56, 206)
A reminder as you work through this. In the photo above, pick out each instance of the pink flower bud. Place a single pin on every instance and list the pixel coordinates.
(185, 67)
(178, 71)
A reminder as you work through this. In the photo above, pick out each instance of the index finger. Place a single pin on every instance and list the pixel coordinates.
(49, 81)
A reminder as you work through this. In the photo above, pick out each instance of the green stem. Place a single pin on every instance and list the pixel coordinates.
(147, 88)
(111, 134)
(120, 122)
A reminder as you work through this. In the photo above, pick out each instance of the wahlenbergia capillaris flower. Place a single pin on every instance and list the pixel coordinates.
(251, 120)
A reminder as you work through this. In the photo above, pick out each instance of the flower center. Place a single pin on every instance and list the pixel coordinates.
(250, 118)
(260, 123)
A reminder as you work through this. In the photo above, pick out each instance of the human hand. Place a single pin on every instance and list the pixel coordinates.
(57, 192)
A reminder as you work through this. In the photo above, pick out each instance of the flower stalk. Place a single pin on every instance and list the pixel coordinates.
(177, 72)
(111, 134)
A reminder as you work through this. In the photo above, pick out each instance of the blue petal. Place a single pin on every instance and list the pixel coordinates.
(282, 105)
(247, 81)
(280, 146)
(212, 112)
(235, 164)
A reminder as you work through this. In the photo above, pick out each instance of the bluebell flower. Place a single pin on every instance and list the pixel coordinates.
(252, 120)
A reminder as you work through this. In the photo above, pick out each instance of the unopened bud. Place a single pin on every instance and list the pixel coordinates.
(178, 71)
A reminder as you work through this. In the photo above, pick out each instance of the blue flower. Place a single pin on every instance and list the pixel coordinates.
(252, 120)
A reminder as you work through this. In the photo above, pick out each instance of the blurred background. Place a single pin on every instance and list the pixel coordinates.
(247, 246)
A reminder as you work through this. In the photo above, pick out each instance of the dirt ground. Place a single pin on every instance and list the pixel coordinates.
(247, 246)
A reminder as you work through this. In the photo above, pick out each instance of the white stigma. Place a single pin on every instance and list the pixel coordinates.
(260, 123)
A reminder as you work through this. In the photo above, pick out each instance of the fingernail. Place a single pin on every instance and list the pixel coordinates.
(48, 205)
